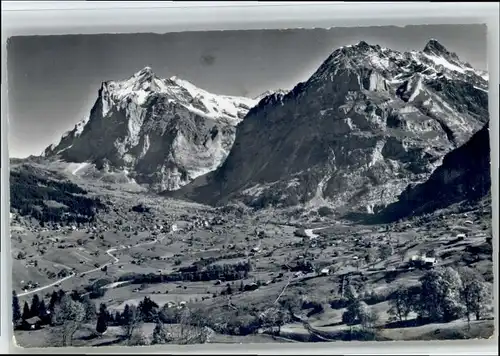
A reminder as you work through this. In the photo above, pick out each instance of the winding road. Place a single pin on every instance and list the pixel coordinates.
(309, 232)
(73, 274)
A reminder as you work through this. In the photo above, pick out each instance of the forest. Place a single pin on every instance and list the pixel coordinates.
(49, 200)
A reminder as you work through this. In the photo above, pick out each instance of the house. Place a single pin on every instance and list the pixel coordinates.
(325, 272)
(171, 304)
(33, 323)
(429, 262)
(423, 262)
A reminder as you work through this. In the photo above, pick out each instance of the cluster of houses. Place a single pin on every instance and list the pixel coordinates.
(30, 285)
(181, 305)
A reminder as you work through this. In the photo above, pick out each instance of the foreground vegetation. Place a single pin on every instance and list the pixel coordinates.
(443, 295)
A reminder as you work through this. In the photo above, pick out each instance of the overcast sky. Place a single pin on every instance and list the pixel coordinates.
(53, 80)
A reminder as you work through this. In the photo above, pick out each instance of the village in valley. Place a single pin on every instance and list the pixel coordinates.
(235, 275)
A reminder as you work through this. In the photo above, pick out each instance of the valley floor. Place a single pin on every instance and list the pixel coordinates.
(123, 246)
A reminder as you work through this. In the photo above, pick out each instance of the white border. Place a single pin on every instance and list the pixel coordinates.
(75, 17)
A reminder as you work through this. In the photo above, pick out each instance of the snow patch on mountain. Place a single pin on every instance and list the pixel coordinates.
(165, 132)
(144, 83)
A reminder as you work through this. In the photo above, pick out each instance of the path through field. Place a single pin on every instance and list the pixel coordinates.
(108, 252)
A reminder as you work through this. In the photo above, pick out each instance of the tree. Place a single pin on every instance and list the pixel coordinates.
(26, 311)
(16, 310)
(148, 309)
(190, 328)
(274, 317)
(138, 339)
(42, 310)
(102, 320)
(440, 295)
(401, 305)
(35, 306)
(89, 306)
(110, 317)
(131, 321)
(68, 315)
(291, 302)
(370, 255)
(350, 294)
(367, 317)
(385, 252)
(474, 293)
(169, 315)
(118, 318)
(325, 211)
(356, 311)
(349, 316)
(75, 295)
(159, 334)
(60, 295)
(54, 298)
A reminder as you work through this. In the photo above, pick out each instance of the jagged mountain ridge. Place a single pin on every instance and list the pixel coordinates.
(269, 93)
(465, 175)
(163, 132)
(366, 124)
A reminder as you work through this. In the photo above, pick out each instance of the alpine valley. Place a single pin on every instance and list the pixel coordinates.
(336, 210)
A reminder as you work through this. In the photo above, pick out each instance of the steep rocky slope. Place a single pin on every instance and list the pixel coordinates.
(367, 123)
(161, 132)
(465, 175)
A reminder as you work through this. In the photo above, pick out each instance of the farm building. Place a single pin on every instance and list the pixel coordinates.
(423, 261)
(33, 323)
(325, 272)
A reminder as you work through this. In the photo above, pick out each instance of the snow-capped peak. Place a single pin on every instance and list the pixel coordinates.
(433, 47)
(145, 82)
(435, 60)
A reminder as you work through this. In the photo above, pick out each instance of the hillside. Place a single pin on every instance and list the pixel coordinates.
(464, 176)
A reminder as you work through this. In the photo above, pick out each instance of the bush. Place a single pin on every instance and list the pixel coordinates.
(140, 208)
(375, 298)
(339, 303)
(325, 211)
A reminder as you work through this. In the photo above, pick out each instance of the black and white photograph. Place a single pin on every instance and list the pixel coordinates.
(250, 186)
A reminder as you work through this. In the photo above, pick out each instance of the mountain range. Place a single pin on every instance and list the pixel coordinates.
(367, 128)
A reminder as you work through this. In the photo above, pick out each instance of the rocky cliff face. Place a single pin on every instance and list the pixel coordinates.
(366, 124)
(465, 175)
(161, 132)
